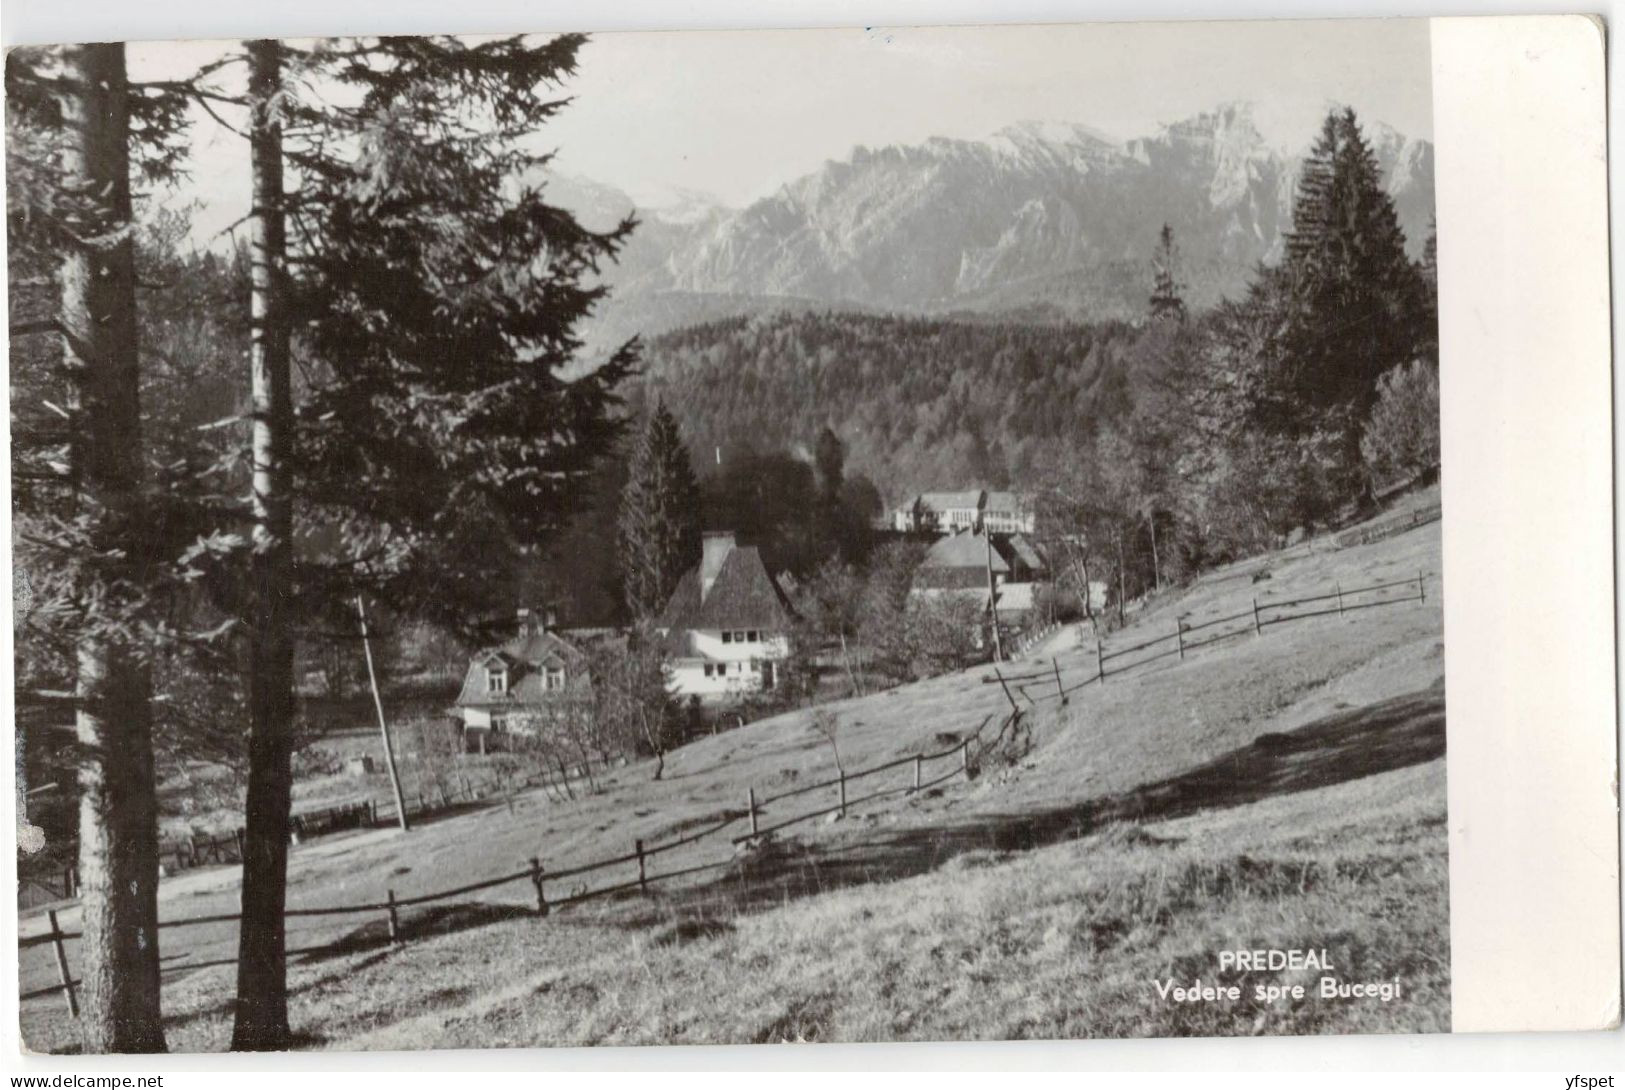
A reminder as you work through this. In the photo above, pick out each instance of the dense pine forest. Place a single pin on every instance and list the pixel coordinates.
(921, 403)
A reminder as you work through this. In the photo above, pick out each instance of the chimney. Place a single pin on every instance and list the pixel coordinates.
(534, 622)
(717, 544)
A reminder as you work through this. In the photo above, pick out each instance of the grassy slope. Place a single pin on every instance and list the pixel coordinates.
(1159, 832)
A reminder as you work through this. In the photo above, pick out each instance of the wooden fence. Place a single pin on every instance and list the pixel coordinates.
(202, 849)
(1376, 531)
(757, 813)
(1186, 638)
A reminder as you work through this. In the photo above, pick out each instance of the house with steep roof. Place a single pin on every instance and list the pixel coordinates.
(726, 627)
(517, 687)
(1027, 561)
(961, 562)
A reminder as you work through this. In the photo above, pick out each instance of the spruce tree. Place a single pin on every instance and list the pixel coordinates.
(1356, 303)
(659, 525)
(408, 262)
(92, 520)
(1167, 300)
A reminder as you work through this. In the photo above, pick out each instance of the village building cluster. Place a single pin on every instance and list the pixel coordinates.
(725, 631)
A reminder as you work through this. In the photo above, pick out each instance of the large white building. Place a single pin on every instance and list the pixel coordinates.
(953, 512)
(726, 626)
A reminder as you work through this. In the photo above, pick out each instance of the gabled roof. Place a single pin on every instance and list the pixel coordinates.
(742, 596)
(526, 658)
(1013, 502)
(966, 550)
(1025, 550)
(942, 501)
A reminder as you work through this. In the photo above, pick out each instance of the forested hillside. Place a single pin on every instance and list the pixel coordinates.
(920, 402)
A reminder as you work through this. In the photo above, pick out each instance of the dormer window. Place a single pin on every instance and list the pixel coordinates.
(496, 681)
(555, 680)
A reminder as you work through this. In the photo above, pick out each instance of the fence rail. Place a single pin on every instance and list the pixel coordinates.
(1261, 616)
(755, 807)
(539, 876)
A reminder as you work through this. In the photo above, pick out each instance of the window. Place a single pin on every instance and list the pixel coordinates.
(555, 680)
(496, 681)
(755, 636)
(727, 636)
(710, 670)
(499, 724)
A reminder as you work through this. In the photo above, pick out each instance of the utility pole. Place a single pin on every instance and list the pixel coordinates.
(383, 724)
(992, 595)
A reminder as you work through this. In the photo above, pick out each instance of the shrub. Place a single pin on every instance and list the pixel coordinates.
(1401, 439)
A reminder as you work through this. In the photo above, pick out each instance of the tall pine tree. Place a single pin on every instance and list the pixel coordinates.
(659, 525)
(407, 260)
(1167, 300)
(92, 520)
(1357, 305)
(1293, 367)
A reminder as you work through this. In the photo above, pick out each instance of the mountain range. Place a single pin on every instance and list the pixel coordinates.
(1042, 220)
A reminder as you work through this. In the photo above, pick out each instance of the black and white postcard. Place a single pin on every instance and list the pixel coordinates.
(762, 536)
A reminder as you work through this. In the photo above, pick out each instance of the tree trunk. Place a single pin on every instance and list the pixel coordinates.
(262, 996)
(1156, 565)
(851, 677)
(118, 813)
(1122, 582)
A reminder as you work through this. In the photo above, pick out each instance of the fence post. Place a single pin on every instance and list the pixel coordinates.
(1421, 591)
(1100, 661)
(750, 798)
(1059, 690)
(916, 772)
(643, 878)
(62, 966)
(394, 919)
(843, 792)
(1179, 634)
(1258, 626)
(1340, 599)
(537, 877)
(1005, 687)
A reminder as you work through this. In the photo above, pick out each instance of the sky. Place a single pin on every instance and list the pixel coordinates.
(736, 114)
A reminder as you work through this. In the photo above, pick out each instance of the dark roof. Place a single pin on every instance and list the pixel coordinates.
(526, 658)
(1024, 549)
(743, 596)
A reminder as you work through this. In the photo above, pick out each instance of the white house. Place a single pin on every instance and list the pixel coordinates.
(1008, 513)
(725, 628)
(953, 512)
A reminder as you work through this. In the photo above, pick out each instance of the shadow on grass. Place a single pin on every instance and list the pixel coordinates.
(370, 938)
(415, 923)
(1347, 745)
